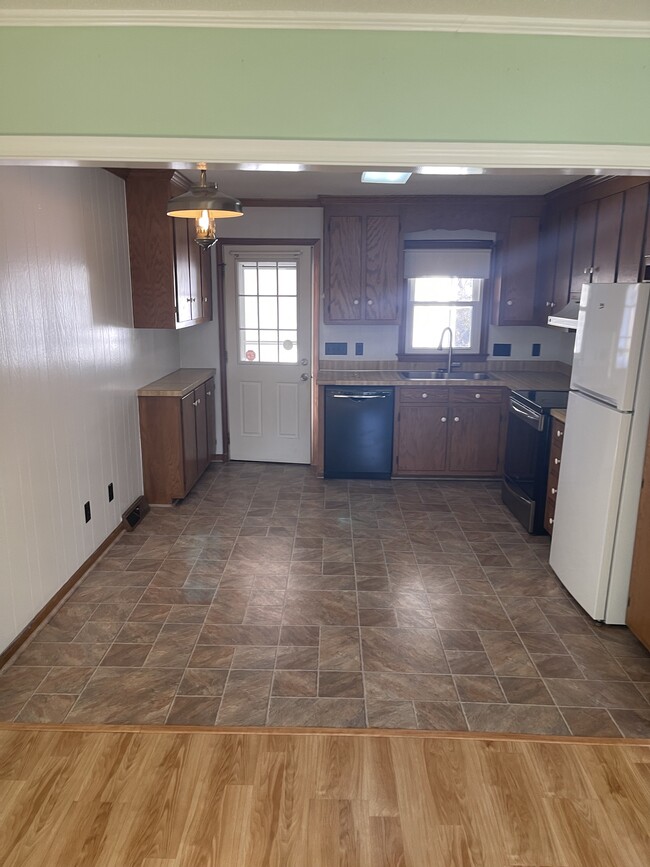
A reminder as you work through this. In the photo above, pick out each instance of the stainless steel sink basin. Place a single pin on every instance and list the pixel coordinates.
(442, 374)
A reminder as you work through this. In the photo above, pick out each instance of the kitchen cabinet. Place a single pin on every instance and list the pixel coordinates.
(638, 606)
(555, 461)
(515, 285)
(633, 230)
(608, 232)
(170, 274)
(583, 247)
(362, 268)
(177, 434)
(456, 431)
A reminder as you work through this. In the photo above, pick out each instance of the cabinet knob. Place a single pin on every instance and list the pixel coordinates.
(477, 396)
(509, 303)
(356, 301)
(444, 418)
(550, 304)
(556, 461)
(205, 300)
(551, 520)
(208, 394)
(554, 490)
(424, 394)
(559, 433)
(369, 302)
(456, 418)
(196, 402)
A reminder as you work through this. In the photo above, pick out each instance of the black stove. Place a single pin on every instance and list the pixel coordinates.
(527, 453)
(542, 399)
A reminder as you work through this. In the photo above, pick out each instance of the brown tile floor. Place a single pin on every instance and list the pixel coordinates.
(270, 597)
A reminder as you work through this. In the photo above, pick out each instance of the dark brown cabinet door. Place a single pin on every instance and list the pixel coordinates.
(422, 439)
(630, 254)
(548, 251)
(183, 274)
(519, 273)
(583, 247)
(382, 269)
(608, 231)
(210, 416)
(343, 269)
(190, 455)
(200, 406)
(564, 262)
(474, 438)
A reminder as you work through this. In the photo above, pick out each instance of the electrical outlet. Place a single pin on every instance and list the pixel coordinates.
(111, 495)
(87, 511)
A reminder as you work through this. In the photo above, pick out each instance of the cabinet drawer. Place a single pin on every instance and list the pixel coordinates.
(424, 394)
(472, 394)
(549, 516)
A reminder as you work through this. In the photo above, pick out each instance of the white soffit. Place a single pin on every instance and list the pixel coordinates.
(625, 18)
(182, 153)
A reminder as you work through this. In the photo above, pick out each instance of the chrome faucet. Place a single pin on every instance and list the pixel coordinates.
(451, 345)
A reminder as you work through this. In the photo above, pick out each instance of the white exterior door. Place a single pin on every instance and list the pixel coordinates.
(268, 298)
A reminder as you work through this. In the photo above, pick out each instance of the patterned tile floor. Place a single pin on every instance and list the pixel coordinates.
(271, 597)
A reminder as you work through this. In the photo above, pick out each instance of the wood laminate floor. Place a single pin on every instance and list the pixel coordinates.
(168, 798)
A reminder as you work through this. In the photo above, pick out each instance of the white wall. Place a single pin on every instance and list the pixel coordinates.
(70, 363)
(199, 346)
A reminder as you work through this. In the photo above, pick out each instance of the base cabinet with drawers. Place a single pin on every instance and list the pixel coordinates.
(458, 431)
(555, 461)
(177, 433)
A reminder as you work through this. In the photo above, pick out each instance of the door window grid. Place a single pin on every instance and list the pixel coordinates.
(268, 311)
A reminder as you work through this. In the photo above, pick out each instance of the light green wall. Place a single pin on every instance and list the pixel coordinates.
(297, 84)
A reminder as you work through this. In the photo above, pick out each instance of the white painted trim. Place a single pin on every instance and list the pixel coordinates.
(184, 153)
(301, 20)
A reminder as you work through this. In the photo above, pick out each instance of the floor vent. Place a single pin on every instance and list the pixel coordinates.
(135, 513)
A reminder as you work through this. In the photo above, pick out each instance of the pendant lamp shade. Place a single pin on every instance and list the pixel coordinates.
(201, 198)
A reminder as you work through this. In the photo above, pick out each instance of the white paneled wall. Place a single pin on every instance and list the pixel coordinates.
(70, 364)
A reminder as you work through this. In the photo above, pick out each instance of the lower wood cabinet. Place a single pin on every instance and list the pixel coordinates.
(458, 431)
(555, 461)
(177, 436)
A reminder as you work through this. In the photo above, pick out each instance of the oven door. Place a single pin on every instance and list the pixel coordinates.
(524, 483)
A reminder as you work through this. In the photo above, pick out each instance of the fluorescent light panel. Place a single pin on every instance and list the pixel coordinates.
(385, 177)
(449, 170)
(272, 167)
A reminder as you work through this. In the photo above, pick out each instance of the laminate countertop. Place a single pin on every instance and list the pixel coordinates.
(559, 414)
(512, 379)
(177, 384)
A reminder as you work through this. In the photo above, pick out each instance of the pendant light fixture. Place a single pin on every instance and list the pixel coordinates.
(205, 205)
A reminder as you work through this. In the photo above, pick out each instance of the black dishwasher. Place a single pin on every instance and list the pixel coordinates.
(358, 432)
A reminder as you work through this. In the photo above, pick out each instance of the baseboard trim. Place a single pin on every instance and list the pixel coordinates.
(58, 597)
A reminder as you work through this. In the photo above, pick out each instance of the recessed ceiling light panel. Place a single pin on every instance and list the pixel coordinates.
(272, 167)
(385, 177)
(449, 170)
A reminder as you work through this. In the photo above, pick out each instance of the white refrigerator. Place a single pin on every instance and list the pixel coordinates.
(603, 449)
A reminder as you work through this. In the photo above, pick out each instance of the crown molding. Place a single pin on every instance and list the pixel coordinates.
(184, 153)
(301, 20)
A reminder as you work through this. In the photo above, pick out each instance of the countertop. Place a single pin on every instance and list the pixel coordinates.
(559, 414)
(513, 379)
(177, 384)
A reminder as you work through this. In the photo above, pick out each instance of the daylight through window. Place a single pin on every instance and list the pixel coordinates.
(267, 296)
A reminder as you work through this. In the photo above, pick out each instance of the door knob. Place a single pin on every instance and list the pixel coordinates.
(304, 361)
(304, 377)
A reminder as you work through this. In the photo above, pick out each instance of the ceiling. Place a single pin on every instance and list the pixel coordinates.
(328, 181)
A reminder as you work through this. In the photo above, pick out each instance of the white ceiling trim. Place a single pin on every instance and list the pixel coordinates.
(183, 153)
(300, 20)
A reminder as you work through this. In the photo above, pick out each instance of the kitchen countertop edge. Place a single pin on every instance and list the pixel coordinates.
(177, 384)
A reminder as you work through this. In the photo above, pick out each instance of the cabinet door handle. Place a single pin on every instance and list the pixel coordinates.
(424, 394)
(208, 394)
(550, 303)
(196, 402)
(554, 490)
(205, 300)
(369, 301)
(556, 461)
(356, 301)
(444, 418)
(551, 520)
(456, 418)
(509, 303)
(559, 433)
(477, 396)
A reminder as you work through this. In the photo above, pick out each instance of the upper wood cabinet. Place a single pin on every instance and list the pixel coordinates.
(170, 274)
(362, 268)
(516, 282)
(633, 230)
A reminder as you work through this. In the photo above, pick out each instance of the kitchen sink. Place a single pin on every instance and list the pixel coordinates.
(442, 374)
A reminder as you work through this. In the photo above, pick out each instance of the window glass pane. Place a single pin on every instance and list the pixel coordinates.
(288, 310)
(429, 323)
(248, 311)
(268, 312)
(248, 283)
(288, 278)
(441, 289)
(268, 279)
(288, 346)
(248, 346)
(268, 349)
